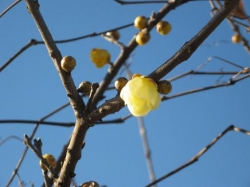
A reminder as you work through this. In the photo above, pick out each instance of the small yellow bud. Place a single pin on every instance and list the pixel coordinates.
(84, 87)
(136, 75)
(163, 27)
(236, 38)
(142, 38)
(90, 184)
(120, 83)
(51, 161)
(140, 22)
(68, 63)
(164, 87)
(115, 35)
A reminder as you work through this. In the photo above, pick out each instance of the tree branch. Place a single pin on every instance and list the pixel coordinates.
(189, 47)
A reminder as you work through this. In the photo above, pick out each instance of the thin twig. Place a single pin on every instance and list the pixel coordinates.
(51, 123)
(33, 42)
(221, 59)
(10, 137)
(10, 7)
(200, 153)
(224, 84)
(147, 151)
(28, 45)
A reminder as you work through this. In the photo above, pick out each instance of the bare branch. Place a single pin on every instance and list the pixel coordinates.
(201, 153)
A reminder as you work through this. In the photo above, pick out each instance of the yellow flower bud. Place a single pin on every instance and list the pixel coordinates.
(140, 22)
(120, 83)
(164, 87)
(90, 184)
(236, 38)
(115, 35)
(140, 95)
(68, 63)
(99, 57)
(142, 37)
(51, 161)
(84, 87)
(163, 27)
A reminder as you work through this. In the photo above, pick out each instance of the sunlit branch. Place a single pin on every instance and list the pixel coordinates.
(10, 7)
(201, 153)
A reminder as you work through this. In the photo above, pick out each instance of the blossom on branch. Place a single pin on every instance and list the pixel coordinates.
(99, 57)
(140, 95)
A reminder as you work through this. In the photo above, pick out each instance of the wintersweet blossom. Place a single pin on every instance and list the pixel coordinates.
(99, 57)
(140, 95)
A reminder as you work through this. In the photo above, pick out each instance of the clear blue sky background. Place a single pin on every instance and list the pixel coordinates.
(113, 156)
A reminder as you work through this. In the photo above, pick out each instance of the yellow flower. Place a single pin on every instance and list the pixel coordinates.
(99, 57)
(51, 161)
(140, 95)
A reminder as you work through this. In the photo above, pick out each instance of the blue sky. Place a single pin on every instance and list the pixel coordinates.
(113, 155)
